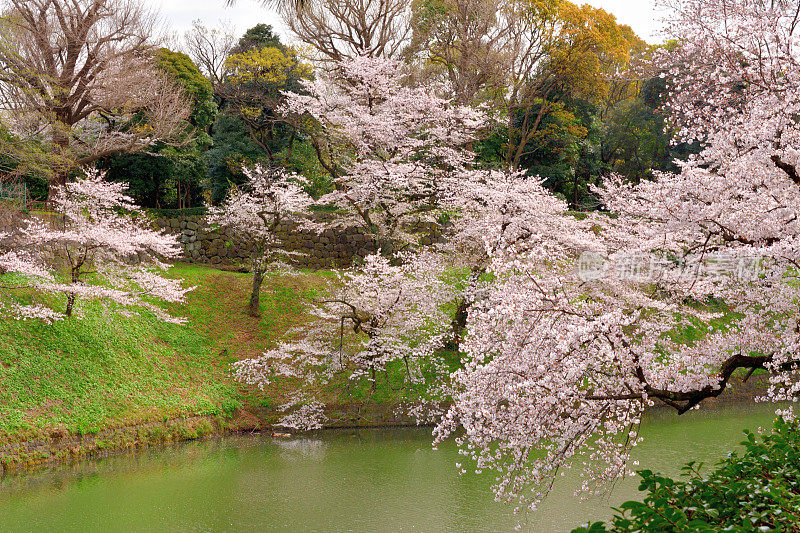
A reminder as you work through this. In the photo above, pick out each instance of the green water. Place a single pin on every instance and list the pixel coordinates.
(366, 480)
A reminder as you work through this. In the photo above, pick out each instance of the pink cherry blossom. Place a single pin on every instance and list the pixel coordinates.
(99, 246)
(382, 313)
(389, 144)
(561, 368)
(268, 198)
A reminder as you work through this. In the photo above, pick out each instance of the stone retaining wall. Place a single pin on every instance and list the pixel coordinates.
(330, 249)
(57, 444)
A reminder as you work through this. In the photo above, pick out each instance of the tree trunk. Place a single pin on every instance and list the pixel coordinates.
(575, 191)
(75, 277)
(254, 309)
(61, 146)
(459, 323)
(70, 304)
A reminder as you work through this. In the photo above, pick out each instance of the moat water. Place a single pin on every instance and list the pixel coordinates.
(359, 480)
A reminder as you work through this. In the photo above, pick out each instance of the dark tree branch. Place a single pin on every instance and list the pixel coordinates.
(685, 401)
(789, 169)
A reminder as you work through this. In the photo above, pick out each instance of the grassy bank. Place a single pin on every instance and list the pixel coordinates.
(107, 381)
(84, 376)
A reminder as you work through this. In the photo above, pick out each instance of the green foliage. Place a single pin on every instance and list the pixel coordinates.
(250, 130)
(167, 176)
(579, 142)
(636, 140)
(259, 36)
(759, 491)
(303, 160)
(563, 152)
(26, 160)
(233, 148)
(197, 87)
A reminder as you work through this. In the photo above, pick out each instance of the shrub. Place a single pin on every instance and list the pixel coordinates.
(759, 491)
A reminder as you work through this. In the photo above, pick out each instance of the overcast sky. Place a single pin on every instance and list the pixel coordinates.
(179, 14)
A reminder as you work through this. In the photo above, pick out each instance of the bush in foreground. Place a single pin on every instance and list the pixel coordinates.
(759, 491)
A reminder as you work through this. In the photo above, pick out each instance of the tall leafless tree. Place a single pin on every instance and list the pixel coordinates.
(209, 48)
(78, 76)
(341, 29)
(463, 41)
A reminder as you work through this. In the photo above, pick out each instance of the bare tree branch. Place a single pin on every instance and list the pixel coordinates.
(77, 75)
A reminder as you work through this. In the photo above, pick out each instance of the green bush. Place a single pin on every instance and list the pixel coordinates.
(759, 491)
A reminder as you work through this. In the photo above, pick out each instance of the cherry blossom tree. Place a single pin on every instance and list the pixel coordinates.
(399, 154)
(255, 210)
(494, 210)
(386, 314)
(388, 144)
(586, 322)
(394, 150)
(104, 249)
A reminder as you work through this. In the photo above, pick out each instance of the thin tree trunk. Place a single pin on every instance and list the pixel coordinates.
(61, 144)
(254, 308)
(70, 304)
(75, 277)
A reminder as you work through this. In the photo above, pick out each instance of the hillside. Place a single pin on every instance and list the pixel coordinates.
(104, 370)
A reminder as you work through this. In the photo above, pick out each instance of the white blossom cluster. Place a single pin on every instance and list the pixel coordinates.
(561, 368)
(104, 249)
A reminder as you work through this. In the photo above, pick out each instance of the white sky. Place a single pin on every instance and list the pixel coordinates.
(641, 15)
(179, 14)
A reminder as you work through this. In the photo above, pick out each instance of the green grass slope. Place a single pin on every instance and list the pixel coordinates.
(105, 370)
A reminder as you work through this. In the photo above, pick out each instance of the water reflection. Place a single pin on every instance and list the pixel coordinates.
(304, 448)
